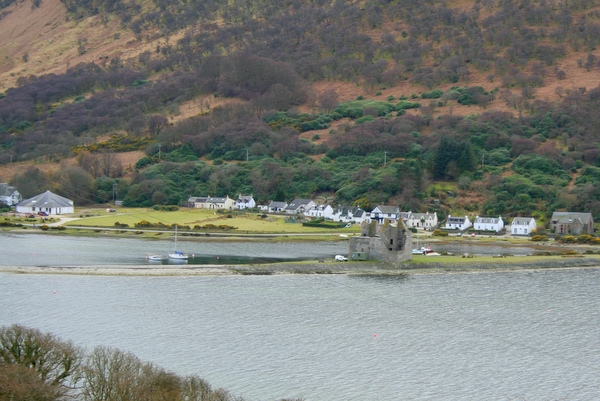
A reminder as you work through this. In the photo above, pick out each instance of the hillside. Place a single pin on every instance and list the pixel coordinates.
(261, 97)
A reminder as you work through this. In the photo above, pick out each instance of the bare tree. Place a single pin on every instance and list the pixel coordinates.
(35, 364)
(156, 124)
(328, 100)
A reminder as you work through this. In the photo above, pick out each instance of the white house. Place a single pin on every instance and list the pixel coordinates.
(46, 202)
(488, 223)
(458, 223)
(245, 202)
(276, 207)
(427, 221)
(523, 226)
(325, 211)
(347, 214)
(380, 213)
(299, 206)
(9, 195)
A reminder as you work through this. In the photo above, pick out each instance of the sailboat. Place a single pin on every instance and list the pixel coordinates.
(177, 255)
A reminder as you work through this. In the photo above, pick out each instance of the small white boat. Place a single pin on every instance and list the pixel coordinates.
(424, 250)
(176, 255)
(154, 257)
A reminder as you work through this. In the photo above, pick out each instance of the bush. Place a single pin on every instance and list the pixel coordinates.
(143, 162)
(434, 94)
(364, 119)
(539, 237)
(404, 105)
(440, 233)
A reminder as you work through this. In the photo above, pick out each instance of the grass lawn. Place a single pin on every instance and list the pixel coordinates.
(244, 222)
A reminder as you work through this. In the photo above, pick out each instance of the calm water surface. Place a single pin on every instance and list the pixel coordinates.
(503, 336)
(53, 250)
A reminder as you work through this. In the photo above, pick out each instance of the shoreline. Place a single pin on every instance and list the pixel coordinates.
(299, 268)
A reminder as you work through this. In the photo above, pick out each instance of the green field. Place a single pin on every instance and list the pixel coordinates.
(448, 259)
(243, 222)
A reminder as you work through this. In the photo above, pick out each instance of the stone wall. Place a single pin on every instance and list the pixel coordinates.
(387, 242)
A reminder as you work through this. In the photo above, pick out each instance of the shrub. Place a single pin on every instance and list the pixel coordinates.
(434, 94)
(404, 105)
(440, 233)
(364, 119)
(143, 162)
(568, 239)
(539, 237)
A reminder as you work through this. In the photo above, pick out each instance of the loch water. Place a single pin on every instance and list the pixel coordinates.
(526, 335)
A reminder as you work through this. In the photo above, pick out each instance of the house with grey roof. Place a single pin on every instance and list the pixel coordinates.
(9, 195)
(299, 205)
(198, 202)
(325, 211)
(523, 226)
(46, 202)
(348, 214)
(488, 223)
(381, 213)
(245, 202)
(572, 223)
(224, 203)
(276, 207)
(457, 223)
(426, 221)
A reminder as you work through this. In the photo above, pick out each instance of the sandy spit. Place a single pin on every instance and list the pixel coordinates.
(348, 268)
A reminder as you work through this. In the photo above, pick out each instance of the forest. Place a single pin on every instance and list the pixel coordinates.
(530, 156)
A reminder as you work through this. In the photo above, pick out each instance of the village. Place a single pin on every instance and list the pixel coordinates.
(561, 223)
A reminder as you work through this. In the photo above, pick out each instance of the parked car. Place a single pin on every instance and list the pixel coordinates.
(341, 258)
(30, 216)
(43, 213)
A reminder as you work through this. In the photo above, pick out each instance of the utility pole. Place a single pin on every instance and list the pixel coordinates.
(482, 160)
(159, 146)
(114, 192)
(385, 158)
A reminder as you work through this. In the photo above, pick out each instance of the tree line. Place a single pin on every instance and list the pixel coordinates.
(38, 366)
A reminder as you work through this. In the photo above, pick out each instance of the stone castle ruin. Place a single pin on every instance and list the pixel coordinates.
(389, 242)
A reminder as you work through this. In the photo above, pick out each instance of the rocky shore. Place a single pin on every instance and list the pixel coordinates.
(316, 267)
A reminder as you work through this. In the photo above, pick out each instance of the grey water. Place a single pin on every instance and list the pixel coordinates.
(530, 335)
(56, 250)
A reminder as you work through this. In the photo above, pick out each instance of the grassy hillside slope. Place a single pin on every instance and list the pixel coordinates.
(256, 94)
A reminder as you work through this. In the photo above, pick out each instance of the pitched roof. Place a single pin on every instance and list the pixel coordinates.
(277, 204)
(388, 209)
(570, 217)
(488, 220)
(47, 199)
(214, 199)
(296, 203)
(6, 190)
(244, 198)
(199, 199)
(456, 220)
(424, 216)
(520, 221)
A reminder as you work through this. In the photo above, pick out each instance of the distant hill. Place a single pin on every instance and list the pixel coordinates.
(364, 101)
